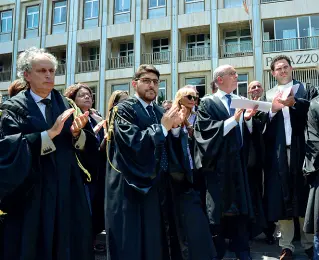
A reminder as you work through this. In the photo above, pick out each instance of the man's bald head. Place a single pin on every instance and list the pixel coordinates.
(225, 77)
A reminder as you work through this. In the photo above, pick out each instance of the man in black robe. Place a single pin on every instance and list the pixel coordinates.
(42, 185)
(152, 213)
(219, 154)
(286, 191)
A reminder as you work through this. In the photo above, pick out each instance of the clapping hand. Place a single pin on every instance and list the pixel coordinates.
(249, 113)
(277, 103)
(78, 123)
(289, 102)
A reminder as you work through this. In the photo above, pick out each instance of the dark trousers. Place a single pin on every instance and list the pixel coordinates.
(234, 228)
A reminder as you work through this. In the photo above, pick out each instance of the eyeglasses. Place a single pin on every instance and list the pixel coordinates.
(149, 81)
(190, 97)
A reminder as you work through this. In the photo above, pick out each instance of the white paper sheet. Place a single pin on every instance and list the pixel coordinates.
(250, 104)
(286, 92)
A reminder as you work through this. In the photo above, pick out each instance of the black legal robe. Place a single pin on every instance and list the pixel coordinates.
(286, 191)
(311, 168)
(222, 161)
(47, 211)
(151, 215)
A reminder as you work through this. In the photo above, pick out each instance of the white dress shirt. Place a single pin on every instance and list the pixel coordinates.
(231, 122)
(144, 104)
(286, 114)
(47, 145)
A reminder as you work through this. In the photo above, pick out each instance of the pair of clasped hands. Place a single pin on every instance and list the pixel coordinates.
(78, 123)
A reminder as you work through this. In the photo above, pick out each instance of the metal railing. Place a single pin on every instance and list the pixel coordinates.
(194, 54)
(5, 75)
(60, 69)
(88, 65)
(121, 62)
(272, 1)
(236, 50)
(157, 58)
(302, 43)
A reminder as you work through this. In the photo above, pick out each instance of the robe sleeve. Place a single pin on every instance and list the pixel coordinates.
(311, 164)
(17, 153)
(138, 151)
(208, 133)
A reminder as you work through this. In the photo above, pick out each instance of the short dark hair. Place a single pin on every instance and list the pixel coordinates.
(71, 91)
(277, 58)
(145, 68)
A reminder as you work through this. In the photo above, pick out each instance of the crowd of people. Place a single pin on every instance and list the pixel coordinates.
(187, 179)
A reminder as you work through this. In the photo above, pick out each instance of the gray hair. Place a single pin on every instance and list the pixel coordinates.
(220, 71)
(24, 63)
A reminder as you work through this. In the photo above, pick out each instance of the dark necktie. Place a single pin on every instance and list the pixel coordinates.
(232, 112)
(164, 161)
(48, 111)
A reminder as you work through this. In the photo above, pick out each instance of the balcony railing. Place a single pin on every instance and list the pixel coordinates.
(5, 75)
(302, 43)
(272, 1)
(157, 58)
(88, 65)
(60, 69)
(236, 50)
(194, 54)
(121, 62)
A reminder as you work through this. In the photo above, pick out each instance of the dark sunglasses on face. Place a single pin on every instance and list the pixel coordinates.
(190, 97)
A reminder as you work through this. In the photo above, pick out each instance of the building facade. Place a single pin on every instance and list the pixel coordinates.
(102, 42)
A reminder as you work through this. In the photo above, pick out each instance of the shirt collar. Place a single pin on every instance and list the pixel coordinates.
(144, 104)
(37, 98)
(281, 87)
(221, 93)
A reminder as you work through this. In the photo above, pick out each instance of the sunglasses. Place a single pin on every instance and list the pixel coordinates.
(190, 97)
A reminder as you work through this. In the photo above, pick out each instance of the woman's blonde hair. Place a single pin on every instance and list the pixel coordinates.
(114, 99)
(182, 92)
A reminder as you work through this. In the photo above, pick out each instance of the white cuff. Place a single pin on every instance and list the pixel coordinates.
(80, 142)
(47, 146)
(164, 130)
(176, 131)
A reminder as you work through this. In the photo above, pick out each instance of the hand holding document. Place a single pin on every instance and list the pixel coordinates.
(251, 104)
(287, 91)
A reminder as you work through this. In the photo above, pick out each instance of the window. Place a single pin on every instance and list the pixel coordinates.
(122, 11)
(156, 8)
(94, 53)
(32, 23)
(199, 83)
(91, 13)
(242, 85)
(193, 6)
(238, 41)
(198, 47)
(5, 25)
(160, 50)
(126, 54)
(93, 88)
(233, 3)
(291, 34)
(161, 96)
(59, 17)
(123, 87)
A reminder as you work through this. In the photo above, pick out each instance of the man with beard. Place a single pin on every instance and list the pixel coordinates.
(285, 189)
(152, 213)
(42, 183)
(220, 134)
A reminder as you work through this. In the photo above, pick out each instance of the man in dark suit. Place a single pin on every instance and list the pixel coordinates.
(41, 182)
(152, 212)
(220, 140)
(286, 192)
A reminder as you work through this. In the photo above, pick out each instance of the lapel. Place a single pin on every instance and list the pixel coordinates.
(220, 107)
(301, 92)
